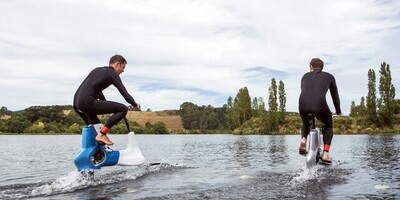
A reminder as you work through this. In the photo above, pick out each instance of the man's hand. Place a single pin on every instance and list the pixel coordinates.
(134, 107)
(137, 106)
(336, 114)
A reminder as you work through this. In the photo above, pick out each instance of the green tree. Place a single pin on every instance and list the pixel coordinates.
(243, 105)
(72, 118)
(261, 112)
(387, 102)
(262, 115)
(209, 118)
(222, 117)
(74, 128)
(397, 109)
(272, 99)
(273, 117)
(45, 113)
(5, 111)
(371, 97)
(2, 126)
(353, 111)
(18, 123)
(54, 127)
(255, 106)
(37, 127)
(190, 115)
(282, 102)
(240, 109)
(359, 110)
(232, 114)
(159, 128)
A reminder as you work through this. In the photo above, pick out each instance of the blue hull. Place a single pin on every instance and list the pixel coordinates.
(92, 155)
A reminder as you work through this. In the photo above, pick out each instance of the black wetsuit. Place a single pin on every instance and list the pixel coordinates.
(89, 100)
(314, 86)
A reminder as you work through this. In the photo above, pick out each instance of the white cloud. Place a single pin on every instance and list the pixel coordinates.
(196, 51)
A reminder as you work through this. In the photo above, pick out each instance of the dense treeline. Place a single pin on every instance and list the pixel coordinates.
(62, 119)
(203, 117)
(241, 115)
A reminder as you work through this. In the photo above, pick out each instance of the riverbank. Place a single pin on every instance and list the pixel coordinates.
(60, 120)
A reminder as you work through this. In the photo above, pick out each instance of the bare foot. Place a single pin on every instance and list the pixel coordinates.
(302, 148)
(104, 139)
(325, 157)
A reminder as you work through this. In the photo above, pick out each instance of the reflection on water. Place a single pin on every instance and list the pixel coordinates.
(250, 150)
(241, 147)
(277, 150)
(382, 155)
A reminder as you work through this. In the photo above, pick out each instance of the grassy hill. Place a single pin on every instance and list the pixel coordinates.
(172, 121)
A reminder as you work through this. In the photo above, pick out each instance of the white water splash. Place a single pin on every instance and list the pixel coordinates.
(75, 181)
(306, 174)
(67, 183)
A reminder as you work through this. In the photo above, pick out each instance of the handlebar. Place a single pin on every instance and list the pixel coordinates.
(131, 107)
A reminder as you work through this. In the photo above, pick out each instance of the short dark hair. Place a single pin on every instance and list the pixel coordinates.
(317, 63)
(117, 58)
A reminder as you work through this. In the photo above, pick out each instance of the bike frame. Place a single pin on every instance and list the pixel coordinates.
(314, 145)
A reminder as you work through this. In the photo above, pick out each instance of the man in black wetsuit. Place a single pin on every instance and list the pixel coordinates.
(89, 100)
(314, 86)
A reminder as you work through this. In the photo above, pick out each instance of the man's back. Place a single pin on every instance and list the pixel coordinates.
(314, 86)
(97, 80)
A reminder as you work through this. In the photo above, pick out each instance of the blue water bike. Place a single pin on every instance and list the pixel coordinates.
(94, 155)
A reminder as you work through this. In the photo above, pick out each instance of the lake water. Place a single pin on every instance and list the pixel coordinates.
(203, 167)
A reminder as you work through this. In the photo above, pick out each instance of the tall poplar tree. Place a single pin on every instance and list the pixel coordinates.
(261, 112)
(272, 99)
(232, 115)
(255, 106)
(272, 118)
(282, 101)
(371, 97)
(387, 101)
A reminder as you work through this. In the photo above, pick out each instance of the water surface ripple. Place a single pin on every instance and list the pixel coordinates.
(203, 167)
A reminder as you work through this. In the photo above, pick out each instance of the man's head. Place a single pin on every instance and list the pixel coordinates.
(118, 63)
(316, 63)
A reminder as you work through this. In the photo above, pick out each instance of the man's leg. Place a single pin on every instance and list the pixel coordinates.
(326, 119)
(87, 118)
(305, 130)
(107, 107)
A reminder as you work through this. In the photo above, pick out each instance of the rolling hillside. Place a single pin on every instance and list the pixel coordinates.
(171, 121)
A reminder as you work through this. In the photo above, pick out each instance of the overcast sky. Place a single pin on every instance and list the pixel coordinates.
(195, 51)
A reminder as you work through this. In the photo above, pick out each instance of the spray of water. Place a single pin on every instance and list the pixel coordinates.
(74, 181)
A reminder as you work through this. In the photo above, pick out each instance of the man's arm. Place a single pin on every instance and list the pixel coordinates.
(117, 82)
(335, 96)
(101, 96)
